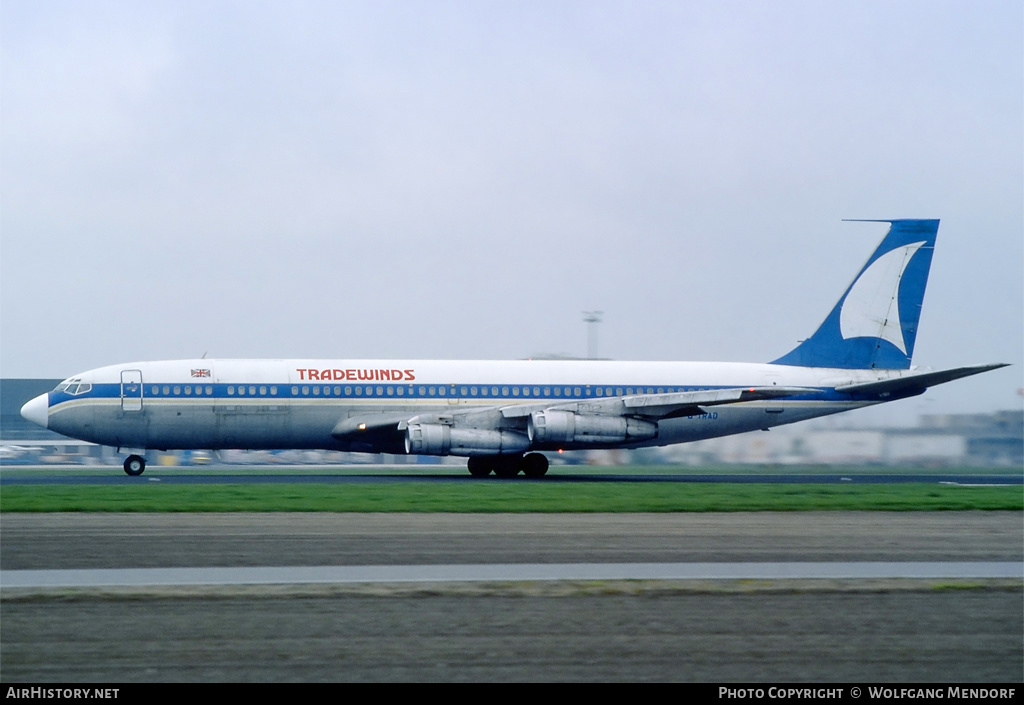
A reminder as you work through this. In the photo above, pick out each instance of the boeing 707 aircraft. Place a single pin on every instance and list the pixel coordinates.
(502, 416)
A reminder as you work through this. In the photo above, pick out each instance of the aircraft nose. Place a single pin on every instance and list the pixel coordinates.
(38, 410)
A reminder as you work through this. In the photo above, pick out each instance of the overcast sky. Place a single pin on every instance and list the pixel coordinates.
(463, 179)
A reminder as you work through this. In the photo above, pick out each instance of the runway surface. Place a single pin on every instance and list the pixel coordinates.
(303, 575)
(775, 629)
(113, 476)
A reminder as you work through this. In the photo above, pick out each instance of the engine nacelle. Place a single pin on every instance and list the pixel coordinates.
(553, 426)
(438, 439)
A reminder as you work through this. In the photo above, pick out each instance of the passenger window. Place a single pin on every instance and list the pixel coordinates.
(263, 391)
(231, 391)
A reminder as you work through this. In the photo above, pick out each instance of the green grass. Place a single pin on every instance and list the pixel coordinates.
(496, 496)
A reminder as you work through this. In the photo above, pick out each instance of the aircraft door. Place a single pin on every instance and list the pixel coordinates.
(131, 390)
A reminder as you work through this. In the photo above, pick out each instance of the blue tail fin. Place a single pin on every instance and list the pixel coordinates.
(874, 325)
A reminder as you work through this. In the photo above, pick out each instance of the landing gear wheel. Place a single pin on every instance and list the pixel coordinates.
(535, 465)
(507, 467)
(134, 465)
(479, 466)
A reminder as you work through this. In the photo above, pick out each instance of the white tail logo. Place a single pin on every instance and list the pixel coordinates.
(871, 308)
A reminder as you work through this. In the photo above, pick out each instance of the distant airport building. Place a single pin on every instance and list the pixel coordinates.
(984, 440)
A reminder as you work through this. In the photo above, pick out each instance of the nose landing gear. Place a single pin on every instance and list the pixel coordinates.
(134, 465)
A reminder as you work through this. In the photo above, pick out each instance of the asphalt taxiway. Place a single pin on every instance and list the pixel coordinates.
(587, 628)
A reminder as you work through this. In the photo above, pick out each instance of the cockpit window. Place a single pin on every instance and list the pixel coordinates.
(73, 386)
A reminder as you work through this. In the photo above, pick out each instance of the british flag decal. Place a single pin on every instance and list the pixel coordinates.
(200, 373)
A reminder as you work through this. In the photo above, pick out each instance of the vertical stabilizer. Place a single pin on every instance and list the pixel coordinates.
(874, 325)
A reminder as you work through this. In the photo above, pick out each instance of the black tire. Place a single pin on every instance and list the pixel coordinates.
(479, 466)
(135, 465)
(535, 465)
(507, 467)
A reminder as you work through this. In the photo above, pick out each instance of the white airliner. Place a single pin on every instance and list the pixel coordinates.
(500, 414)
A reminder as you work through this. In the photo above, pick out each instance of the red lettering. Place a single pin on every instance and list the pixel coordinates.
(353, 375)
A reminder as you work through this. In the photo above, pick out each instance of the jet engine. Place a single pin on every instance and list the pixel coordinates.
(438, 439)
(553, 426)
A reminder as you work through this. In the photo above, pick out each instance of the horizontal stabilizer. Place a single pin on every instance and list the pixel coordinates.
(916, 383)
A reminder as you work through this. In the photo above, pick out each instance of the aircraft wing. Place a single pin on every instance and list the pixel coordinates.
(376, 429)
(662, 406)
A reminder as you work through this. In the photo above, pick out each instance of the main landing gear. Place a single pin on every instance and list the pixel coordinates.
(134, 465)
(531, 465)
